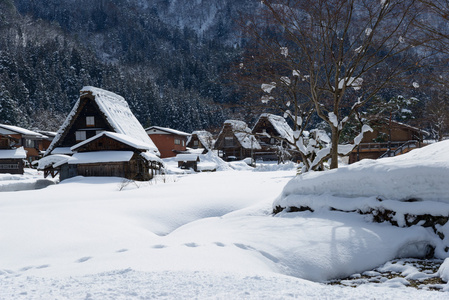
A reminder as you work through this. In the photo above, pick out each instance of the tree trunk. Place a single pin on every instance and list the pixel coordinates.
(334, 150)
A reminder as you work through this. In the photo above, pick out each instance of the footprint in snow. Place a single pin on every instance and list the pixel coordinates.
(191, 245)
(219, 244)
(244, 247)
(42, 266)
(159, 246)
(83, 259)
(121, 250)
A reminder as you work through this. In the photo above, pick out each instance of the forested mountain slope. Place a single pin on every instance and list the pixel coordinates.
(167, 58)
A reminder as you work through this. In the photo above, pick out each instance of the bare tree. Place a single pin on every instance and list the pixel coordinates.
(437, 112)
(335, 55)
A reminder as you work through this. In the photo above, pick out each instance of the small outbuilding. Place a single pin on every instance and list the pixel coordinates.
(11, 158)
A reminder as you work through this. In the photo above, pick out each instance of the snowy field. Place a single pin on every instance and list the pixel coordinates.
(201, 236)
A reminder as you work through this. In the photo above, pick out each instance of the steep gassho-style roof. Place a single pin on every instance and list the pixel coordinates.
(205, 137)
(117, 113)
(243, 134)
(280, 124)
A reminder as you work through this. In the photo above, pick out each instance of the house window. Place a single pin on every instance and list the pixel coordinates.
(228, 141)
(29, 143)
(177, 142)
(195, 143)
(183, 143)
(90, 121)
(80, 135)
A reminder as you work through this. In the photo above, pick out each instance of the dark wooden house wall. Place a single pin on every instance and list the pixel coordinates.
(104, 143)
(11, 166)
(227, 149)
(398, 133)
(191, 143)
(136, 169)
(88, 107)
(269, 129)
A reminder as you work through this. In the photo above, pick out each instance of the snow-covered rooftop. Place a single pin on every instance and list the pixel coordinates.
(130, 141)
(205, 137)
(117, 113)
(16, 153)
(52, 160)
(167, 130)
(187, 157)
(280, 124)
(100, 157)
(243, 134)
(10, 129)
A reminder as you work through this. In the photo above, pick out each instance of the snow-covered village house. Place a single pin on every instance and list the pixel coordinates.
(201, 139)
(11, 157)
(170, 142)
(275, 137)
(101, 137)
(388, 138)
(236, 141)
(34, 143)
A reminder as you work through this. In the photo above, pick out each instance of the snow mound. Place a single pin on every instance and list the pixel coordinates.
(418, 175)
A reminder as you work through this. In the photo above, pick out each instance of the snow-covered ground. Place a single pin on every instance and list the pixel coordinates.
(206, 235)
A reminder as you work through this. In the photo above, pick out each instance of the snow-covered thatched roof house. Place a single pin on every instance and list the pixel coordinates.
(270, 128)
(274, 134)
(201, 139)
(95, 111)
(236, 141)
(101, 121)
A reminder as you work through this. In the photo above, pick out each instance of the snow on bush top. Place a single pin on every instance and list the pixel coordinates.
(421, 174)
